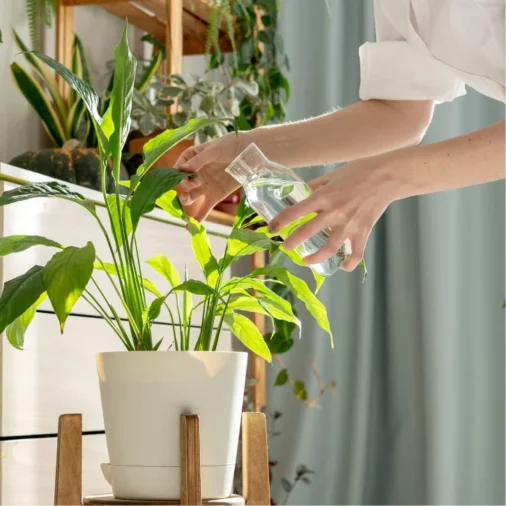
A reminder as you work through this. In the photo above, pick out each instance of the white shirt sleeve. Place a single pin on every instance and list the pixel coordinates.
(397, 68)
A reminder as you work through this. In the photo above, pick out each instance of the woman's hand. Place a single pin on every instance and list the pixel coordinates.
(349, 201)
(209, 160)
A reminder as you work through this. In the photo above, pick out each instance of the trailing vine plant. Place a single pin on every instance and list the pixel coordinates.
(258, 56)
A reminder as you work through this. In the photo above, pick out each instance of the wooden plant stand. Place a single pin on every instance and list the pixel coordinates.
(255, 478)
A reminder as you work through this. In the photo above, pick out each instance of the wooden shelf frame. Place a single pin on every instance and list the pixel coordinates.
(160, 18)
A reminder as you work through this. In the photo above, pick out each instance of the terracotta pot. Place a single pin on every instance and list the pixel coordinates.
(168, 159)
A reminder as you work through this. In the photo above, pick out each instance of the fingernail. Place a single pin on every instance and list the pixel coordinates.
(184, 198)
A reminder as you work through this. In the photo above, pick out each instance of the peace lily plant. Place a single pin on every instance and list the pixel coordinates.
(139, 385)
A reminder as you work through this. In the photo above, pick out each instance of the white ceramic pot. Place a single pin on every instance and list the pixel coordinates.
(143, 395)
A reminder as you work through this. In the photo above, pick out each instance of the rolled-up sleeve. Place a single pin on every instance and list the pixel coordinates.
(394, 68)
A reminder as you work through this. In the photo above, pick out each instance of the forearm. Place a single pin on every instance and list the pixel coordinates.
(360, 130)
(478, 157)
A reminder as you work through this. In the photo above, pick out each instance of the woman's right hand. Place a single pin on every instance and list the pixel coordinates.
(209, 160)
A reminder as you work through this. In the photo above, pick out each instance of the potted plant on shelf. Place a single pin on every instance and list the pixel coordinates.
(75, 157)
(143, 393)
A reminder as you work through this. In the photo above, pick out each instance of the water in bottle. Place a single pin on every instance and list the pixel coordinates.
(270, 188)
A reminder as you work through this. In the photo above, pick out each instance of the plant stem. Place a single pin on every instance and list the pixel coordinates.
(111, 308)
(123, 302)
(290, 491)
(92, 301)
(218, 330)
(173, 326)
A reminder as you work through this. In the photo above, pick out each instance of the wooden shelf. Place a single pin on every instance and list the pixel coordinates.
(151, 16)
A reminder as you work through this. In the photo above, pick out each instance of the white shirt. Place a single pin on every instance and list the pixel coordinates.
(432, 49)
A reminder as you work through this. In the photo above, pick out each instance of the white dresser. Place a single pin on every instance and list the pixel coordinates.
(55, 373)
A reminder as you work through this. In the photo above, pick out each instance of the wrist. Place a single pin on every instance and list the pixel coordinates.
(395, 174)
(274, 143)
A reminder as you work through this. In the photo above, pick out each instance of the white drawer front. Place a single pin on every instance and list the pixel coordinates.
(56, 373)
(71, 225)
(28, 469)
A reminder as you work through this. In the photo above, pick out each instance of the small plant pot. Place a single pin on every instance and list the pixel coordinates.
(143, 396)
(70, 163)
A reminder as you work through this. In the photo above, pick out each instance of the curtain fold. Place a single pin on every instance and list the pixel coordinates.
(418, 415)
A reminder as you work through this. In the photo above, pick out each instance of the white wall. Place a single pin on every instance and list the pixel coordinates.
(20, 128)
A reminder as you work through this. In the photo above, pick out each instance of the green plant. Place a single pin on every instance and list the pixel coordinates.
(197, 97)
(258, 56)
(69, 273)
(62, 121)
(35, 10)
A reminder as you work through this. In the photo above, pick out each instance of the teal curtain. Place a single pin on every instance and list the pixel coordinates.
(418, 415)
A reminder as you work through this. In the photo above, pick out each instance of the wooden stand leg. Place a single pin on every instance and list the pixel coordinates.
(190, 461)
(255, 462)
(68, 486)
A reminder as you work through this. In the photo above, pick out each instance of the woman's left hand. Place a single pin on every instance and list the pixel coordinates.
(349, 201)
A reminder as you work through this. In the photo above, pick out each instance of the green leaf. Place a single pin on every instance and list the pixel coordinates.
(302, 292)
(150, 71)
(19, 294)
(85, 91)
(17, 243)
(299, 389)
(153, 185)
(202, 251)
(38, 190)
(80, 68)
(244, 242)
(296, 258)
(75, 118)
(263, 36)
(66, 276)
(281, 378)
(264, 306)
(117, 215)
(363, 266)
(279, 342)
(111, 269)
(15, 332)
(152, 312)
(47, 77)
(267, 20)
(246, 331)
(164, 266)
(80, 57)
(242, 213)
(36, 97)
(195, 287)
(158, 146)
(169, 202)
(238, 285)
(121, 98)
(248, 87)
